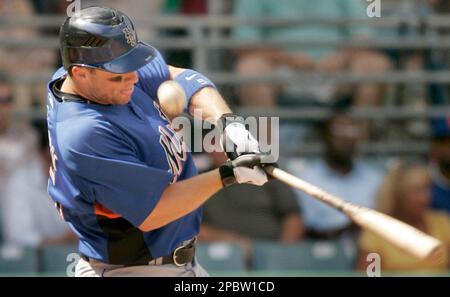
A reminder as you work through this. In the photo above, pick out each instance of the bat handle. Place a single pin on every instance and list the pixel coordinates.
(269, 169)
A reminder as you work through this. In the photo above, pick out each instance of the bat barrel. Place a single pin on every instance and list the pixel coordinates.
(394, 231)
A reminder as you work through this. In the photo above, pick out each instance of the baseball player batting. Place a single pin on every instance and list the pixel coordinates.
(120, 176)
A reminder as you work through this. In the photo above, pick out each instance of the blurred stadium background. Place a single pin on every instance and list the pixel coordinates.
(301, 61)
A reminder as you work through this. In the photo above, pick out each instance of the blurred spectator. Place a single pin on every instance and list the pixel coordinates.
(431, 59)
(15, 137)
(406, 195)
(23, 193)
(440, 165)
(187, 6)
(413, 60)
(50, 6)
(28, 216)
(23, 60)
(289, 58)
(339, 173)
(6, 100)
(243, 213)
(181, 57)
(439, 6)
(439, 60)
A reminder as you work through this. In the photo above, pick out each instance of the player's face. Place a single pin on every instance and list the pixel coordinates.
(112, 88)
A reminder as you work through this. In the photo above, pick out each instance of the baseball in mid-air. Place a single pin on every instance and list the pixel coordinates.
(172, 98)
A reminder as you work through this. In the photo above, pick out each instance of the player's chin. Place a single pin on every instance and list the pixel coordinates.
(122, 98)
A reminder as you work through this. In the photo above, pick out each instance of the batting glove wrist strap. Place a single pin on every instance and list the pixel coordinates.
(227, 174)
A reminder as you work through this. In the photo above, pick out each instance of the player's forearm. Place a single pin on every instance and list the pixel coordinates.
(181, 198)
(210, 103)
(207, 100)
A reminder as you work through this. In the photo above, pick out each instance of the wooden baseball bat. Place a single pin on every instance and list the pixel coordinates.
(402, 235)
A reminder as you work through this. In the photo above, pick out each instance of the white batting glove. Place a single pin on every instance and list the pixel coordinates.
(235, 139)
(255, 176)
(244, 169)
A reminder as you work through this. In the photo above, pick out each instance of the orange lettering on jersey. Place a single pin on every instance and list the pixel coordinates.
(103, 211)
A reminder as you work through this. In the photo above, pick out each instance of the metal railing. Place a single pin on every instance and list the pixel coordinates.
(300, 77)
(437, 21)
(201, 42)
(370, 113)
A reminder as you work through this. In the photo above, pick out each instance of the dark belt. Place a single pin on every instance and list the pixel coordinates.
(182, 255)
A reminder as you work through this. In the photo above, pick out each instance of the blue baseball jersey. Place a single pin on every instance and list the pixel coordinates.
(110, 166)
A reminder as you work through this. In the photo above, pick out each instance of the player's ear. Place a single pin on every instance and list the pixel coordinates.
(79, 72)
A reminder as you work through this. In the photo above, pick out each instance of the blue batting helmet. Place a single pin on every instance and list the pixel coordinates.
(104, 38)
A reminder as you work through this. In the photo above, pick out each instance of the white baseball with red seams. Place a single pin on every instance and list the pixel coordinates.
(172, 98)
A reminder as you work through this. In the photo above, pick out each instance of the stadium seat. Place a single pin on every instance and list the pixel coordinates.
(56, 259)
(306, 255)
(221, 256)
(17, 261)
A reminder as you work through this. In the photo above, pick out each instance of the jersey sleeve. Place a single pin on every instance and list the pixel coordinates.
(108, 172)
(153, 74)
